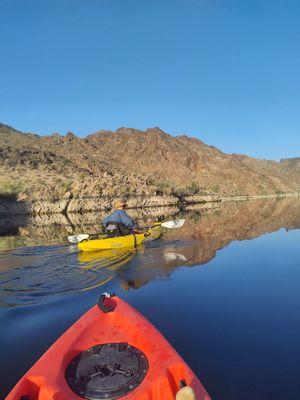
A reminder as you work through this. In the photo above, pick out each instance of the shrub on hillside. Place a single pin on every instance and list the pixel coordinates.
(10, 188)
(164, 186)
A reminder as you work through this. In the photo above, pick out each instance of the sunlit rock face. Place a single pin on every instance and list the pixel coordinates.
(150, 168)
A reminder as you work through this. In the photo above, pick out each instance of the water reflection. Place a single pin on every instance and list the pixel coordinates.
(33, 274)
(54, 228)
(156, 261)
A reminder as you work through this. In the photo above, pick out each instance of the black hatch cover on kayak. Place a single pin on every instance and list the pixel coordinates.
(107, 371)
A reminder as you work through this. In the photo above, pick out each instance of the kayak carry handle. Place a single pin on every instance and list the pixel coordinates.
(106, 303)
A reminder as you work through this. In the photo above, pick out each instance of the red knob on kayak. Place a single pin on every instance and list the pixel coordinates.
(106, 303)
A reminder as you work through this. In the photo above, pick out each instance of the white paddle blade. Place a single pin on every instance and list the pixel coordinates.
(173, 224)
(78, 238)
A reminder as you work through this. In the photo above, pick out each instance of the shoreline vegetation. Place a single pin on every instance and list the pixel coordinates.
(11, 205)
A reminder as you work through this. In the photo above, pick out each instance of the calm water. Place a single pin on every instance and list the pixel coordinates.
(224, 290)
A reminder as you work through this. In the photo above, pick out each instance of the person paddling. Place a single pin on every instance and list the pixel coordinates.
(119, 223)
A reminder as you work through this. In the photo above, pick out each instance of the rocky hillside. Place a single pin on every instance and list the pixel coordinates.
(130, 161)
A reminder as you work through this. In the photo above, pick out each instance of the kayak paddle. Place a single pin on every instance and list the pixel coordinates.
(173, 224)
(168, 224)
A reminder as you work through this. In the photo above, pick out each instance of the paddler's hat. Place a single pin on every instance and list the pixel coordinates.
(119, 204)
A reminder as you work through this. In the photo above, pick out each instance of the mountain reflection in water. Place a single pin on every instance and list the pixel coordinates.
(32, 274)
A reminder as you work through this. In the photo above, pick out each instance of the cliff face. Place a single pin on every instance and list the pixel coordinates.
(132, 162)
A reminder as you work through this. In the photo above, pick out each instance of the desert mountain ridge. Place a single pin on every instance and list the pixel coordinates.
(130, 161)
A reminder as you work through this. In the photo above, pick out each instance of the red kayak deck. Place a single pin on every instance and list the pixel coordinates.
(55, 376)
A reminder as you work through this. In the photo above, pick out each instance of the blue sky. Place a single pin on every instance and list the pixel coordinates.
(227, 72)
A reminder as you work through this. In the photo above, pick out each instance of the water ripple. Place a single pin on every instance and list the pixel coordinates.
(29, 275)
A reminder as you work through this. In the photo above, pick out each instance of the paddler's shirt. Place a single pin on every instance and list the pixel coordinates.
(120, 217)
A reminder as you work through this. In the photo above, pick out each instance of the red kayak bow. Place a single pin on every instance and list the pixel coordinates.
(111, 352)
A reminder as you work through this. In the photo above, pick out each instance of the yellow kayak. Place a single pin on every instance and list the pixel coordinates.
(105, 258)
(128, 241)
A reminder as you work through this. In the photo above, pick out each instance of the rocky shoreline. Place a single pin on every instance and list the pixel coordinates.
(70, 204)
